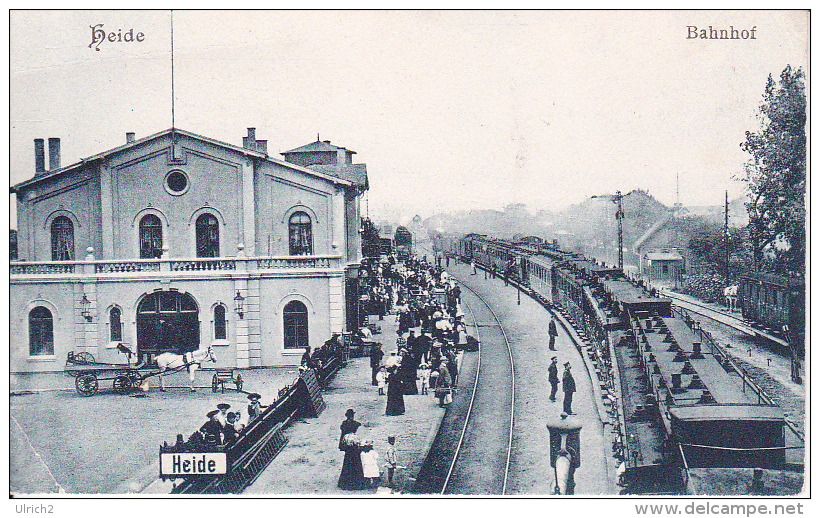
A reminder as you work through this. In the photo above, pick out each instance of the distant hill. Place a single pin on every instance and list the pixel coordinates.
(589, 227)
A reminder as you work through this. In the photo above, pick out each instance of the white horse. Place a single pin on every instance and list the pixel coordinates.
(192, 360)
(730, 294)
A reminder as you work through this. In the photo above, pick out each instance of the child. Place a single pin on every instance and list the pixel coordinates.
(424, 376)
(381, 377)
(370, 465)
(392, 459)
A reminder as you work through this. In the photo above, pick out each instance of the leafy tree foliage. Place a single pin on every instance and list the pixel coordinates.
(370, 239)
(707, 248)
(776, 175)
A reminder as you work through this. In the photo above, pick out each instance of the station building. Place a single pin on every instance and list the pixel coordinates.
(177, 241)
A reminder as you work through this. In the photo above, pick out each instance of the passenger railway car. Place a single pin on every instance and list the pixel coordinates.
(774, 301)
(677, 400)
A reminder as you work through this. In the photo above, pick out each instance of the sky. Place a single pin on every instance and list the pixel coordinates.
(451, 110)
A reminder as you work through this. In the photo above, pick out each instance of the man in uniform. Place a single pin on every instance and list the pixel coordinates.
(553, 332)
(553, 377)
(569, 388)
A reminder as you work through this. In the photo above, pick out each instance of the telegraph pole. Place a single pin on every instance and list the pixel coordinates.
(726, 239)
(620, 216)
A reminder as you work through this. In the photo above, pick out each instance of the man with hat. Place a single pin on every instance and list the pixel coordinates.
(553, 332)
(569, 388)
(212, 431)
(254, 407)
(553, 377)
(223, 410)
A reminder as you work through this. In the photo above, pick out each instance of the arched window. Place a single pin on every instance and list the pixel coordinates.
(207, 236)
(301, 236)
(62, 239)
(296, 325)
(115, 324)
(220, 323)
(40, 332)
(150, 237)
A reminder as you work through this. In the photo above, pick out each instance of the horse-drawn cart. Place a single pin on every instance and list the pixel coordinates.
(88, 373)
(125, 377)
(223, 376)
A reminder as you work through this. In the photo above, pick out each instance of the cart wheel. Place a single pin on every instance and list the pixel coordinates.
(86, 384)
(239, 382)
(84, 358)
(122, 383)
(215, 383)
(135, 377)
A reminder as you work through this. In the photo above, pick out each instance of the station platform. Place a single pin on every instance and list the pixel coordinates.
(526, 325)
(311, 462)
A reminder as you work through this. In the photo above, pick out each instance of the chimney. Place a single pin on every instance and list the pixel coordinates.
(341, 156)
(39, 156)
(249, 142)
(129, 137)
(262, 145)
(53, 154)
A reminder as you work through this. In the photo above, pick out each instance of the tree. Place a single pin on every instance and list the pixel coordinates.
(776, 174)
(707, 247)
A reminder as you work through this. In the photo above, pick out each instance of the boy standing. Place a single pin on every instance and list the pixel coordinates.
(392, 459)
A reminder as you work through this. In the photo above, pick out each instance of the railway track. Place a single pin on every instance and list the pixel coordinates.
(477, 447)
(471, 454)
(720, 317)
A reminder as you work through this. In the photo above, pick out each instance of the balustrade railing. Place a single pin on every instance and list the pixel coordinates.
(190, 265)
(174, 265)
(270, 263)
(41, 268)
(149, 265)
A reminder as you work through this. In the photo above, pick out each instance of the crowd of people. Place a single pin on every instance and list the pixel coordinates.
(222, 429)
(427, 299)
(431, 330)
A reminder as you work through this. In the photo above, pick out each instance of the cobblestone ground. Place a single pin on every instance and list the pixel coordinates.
(311, 462)
(109, 443)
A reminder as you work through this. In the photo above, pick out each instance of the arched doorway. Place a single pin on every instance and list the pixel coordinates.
(167, 321)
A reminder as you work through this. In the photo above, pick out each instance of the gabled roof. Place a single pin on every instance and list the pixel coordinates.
(652, 230)
(335, 178)
(318, 146)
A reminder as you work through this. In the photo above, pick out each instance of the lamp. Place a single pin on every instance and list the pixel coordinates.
(84, 305)
(239, 302)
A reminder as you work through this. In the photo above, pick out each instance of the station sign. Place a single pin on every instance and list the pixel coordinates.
(188, 464)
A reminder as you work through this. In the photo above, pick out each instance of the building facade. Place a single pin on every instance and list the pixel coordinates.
(177, 241)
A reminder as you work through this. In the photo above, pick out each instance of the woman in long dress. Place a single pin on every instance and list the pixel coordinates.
(352, 476)
(395, 393)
